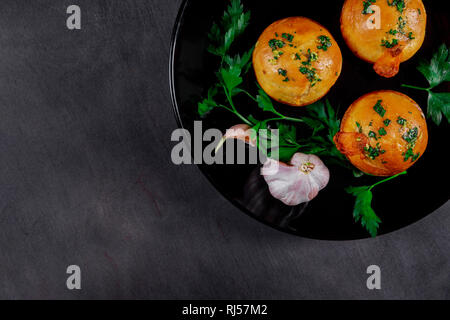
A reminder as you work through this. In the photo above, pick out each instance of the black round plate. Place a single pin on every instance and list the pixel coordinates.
(329, 216)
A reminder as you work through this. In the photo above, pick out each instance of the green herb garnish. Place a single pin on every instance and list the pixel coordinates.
(373, 135)
(409, 154)
(387, 44)
(276, 44)
(366, 6)
(358, 125)
(374, 153)
(436, 72)
(401, 24)
(363, 210)
(393, 32)
(382, 132)
(289, 37)
(400, 4)
(325, 42)
(401, 121)
(233, 24)
(411, 135)
(311, 75)
(387, 122)
(379, 108)
(282, 72)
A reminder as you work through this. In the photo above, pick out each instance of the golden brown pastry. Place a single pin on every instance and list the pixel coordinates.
(297, 61)
(383, 133)
(384, 32)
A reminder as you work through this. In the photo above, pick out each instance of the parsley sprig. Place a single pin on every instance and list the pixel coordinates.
(230, 78)
(363, 210)
(436, 72)
(234, 22)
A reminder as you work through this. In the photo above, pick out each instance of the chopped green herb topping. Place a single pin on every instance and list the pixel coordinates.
(289, 37)
(366, 6)
(401, 121)
(401, 24)
(373, 153)
(359, 127)
(379, 108)
(373, 135)
(325, 42)
(387, 44)
(411, 135)
(387, 122)
(382, 132)
(311, 75)
(311, 57)
(282, 72)
(400, 30)
(400, 4)
(409, 154)
(393, 32)
(276, 44)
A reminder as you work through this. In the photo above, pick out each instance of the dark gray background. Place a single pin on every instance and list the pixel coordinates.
(86, 179)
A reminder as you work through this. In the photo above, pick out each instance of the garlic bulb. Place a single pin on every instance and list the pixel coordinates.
(297, 182)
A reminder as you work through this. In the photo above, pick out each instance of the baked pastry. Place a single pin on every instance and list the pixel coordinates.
(384, 32)
(297, 61)
(383, 133)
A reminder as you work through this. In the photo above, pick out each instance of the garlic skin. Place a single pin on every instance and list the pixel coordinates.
(297, 182)
(241, 132)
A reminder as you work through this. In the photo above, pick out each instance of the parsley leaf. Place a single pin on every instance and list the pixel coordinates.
(325, 114)
(208, 104)
(362, 210)
(264, 102)
(244, 63)
(221, 36)
(436, 72)
(438, 104)
(288, 146)
(230, 77)
(233, 24)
